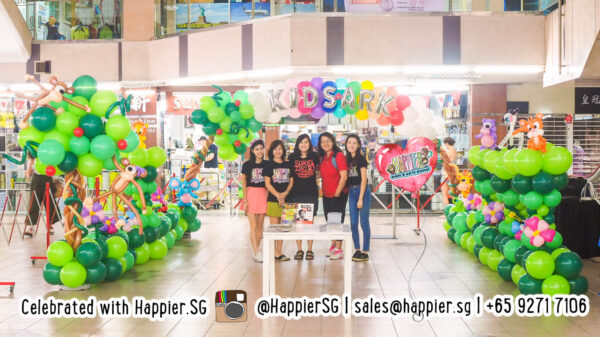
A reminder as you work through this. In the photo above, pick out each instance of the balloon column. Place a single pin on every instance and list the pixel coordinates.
(509, 223)
(75, 131)
(230, 120)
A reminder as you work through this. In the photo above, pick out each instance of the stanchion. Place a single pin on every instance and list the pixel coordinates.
(47, 205)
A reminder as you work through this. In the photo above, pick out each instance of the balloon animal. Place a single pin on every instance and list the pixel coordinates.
(535, 132)
(198, 159)
(487, 133)
(185, 190)
(510, 121)
(465, 183)
(141, 129)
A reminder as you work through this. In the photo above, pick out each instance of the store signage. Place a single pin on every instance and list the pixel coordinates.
(587, 100)
(395, 6)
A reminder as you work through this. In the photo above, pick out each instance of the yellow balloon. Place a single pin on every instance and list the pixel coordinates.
(362, 115)
(367, 85)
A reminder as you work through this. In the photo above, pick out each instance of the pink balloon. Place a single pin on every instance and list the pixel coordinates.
(294, 113)
(301, 106)
(382, 120)
(407, 168)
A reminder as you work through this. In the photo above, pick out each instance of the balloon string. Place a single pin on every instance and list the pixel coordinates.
(235, 128)
(71, 200)
(124, 105)
(216, 96)
(27, 148)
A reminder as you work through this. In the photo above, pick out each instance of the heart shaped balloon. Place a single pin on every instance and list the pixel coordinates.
(407, 168)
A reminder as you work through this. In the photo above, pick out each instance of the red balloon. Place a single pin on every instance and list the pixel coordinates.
(78, 132)
(237, 143)
(383, 120)
(50, 170)
(402, 102)
(237, 102)
(122, 144)
(397, 118)
(219, 132)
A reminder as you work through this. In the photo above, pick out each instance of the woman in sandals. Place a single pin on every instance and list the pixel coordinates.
(37, 193)
(305, 167)
(255, 194)
(279, 182)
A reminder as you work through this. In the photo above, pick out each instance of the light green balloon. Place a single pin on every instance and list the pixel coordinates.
(246, 111)
(89, 165)
(59, 137)
(79, 145)
(75, 110)
(73, 274)
(139, 157)
(66, 122)
(118, 127)
(101, 101)
(156, 156)
(30, 134)
(133, 141)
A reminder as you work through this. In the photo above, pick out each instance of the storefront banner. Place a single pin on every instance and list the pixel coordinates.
(395, 5)
(587, 100)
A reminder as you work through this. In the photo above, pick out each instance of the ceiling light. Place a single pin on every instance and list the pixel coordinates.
(436, 69)
(509, 69)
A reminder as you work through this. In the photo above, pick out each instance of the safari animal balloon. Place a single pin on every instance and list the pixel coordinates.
(534, 127)
(487, 134)
(141, 129)
(510, 121)
(465, 183)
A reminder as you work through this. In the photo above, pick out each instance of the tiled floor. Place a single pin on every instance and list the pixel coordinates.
(218, 257)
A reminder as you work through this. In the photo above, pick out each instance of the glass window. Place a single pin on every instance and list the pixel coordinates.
(72, 19)
(292, 6)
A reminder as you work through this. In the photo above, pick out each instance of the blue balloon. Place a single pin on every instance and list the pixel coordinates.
(341, 83)
(330, 84)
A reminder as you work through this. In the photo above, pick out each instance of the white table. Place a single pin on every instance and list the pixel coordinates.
(305, 232)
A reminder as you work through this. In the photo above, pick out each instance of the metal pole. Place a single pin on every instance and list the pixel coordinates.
(394, 205)
(560, 37)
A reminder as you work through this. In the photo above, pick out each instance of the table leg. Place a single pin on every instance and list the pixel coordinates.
(266, 265)
(272, 269)
(348, 248)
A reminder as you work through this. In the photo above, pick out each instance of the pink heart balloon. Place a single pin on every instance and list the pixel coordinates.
(407, 168)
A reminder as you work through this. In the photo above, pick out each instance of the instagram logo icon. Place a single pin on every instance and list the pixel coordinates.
(231, 306)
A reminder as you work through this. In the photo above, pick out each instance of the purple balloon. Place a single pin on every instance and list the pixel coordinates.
(317, 112)
(317, 83)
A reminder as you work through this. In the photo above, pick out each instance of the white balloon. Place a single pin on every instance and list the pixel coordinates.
(417, 102)
(410, 114)
(261, 113)
(274, 118)
(425, 114)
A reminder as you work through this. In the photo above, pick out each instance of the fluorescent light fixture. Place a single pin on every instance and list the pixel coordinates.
(508, 69)
(436, 69)
(364, 70)
(140, 92)
(113, 86)
(238, 75)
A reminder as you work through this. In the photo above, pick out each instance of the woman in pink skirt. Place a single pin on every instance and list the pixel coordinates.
(255, 194)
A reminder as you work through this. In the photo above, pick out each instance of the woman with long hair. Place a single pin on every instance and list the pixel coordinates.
(359, 197)
(334, 174)
(279, 182)
(304, 163)
(255, 194)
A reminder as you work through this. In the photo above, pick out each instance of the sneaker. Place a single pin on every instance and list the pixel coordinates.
(331, 249)
(282, 257)
(356, 255)
(362, 257)
(337, 254)
(258, 257)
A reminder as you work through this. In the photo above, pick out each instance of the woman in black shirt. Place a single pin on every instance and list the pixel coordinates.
(279, 182)
(305, 164)
(255, 194)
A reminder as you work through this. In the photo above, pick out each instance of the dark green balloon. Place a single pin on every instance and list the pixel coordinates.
(194, 225)
(173, 216)
(521, 184)
(230, 107)
(530, 286)
(210, 129)
(189, 213)
(96, 274)
(451, 233)
(151, 234)
(505, 268)
(240, 149)
(447, 210)
(499, 185)
(476, 250)
(165, 226)
(85, 86)
(130, 258)
(498, 241)
(51, 274)
(114, 268)
(542, 182)
(568, 265)
(579, 285)
(135, 239)
(549, 218)
(254, 125)
(488, 236)
(43, 119)
(525, 256)
(560, 181)
(133, 252)
(151, 174)
(123, 235)
(69, 163)
(451, 216)
(101, 240)
(92, 125)
(480, 173)
(199, 117)
(148, 196)
(89, 254)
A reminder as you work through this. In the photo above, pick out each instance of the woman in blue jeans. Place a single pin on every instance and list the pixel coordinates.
(359, 197)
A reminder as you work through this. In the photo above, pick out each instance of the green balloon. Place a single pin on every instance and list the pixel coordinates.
(59, 137)
(521, 184)
(195, 225)
(490, 160)
(130, 259)
(473, 155)
(158, 250)
(505, 268)
(139, 157)
(471, 220)
(210, 129)
(118, 127)
(509, 161)
(539, 265)
(553, 198)
(66, 122)
(89, 165)
(226, 151)
(151, 174)
(123, 261)
(542, 182)
(529, 285)
(528, 162)
(59, 253)
(488, 235)
(450, 234)
(477, 234)
(254, 125)
(43, 119)
(51, 152)
(133, 141)
(96, 274)
(92, 125)
(183, 224)
(199, 117)
(463, 239)
(215, 114)
(560, 181)
(164, 226)
(114, 268)
(493, 259)
(568, 265)
(479, 173)
(89, 254)
(206, 103)
(499, 185)
(76, 110)
(108, 164)
(156, 156)
(142, 253)
(457, 237)
(510, 250)
(179, 231)
(117, 246)
(533, 200)
(479, 216)
(101, 101)
(579, 285)
(557, 160)
(240, 149)
(153, 220)
(477, 250)
(246, 111)
(484, 187)
(510, 198)
(240, 96)
(170, 239)
(555, 285)
(556, 253)
(51, 274)
(516, 274)
(224, 98)
(471, 244)
(135, 239)
(73, 274)
(30, 134)
(235, 116)
(483, 255)
(85, 86)
(174, 217)
(482, 154)
(501, 170)
(151, 234)
(225, 123)
(556, 242)
(189, 213)
(103, 147)
(69, 163)
(79, 145)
